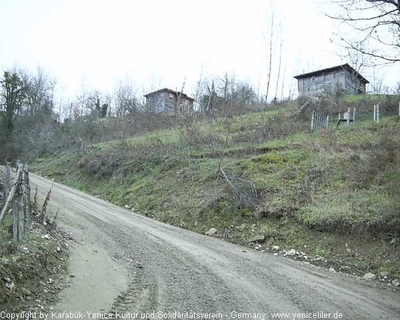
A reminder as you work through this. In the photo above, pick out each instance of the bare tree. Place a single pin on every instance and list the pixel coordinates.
(396, 89)
(125, 100)
(270, 54)
(375, 25)
(207, 97)
(80, 106)
(280, 62)
(178, 107)
(109, 101)
(40, 94)
(359, 61)
(274, 40)
(211, 99)
(377, 82)
(283, 81)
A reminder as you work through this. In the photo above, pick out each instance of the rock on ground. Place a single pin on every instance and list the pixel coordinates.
(211, 232)
(369, 276)
(258, 238)
(291, 252)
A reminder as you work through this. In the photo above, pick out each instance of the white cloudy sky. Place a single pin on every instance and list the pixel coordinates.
(156, 43)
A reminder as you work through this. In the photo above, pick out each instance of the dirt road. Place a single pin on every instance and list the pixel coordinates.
(129, 263)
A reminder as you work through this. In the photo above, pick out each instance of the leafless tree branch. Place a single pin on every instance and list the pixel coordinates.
(376, 26)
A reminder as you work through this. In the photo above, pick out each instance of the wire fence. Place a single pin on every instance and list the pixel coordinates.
(377, 111)
(363, 110)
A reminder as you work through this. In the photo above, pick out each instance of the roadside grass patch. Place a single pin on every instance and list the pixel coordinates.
(364, 211)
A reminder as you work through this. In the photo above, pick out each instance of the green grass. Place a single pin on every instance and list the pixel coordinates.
(302, 174)
(335, 184)
(374, 98)
(355, 212)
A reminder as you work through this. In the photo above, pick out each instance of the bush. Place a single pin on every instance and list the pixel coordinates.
(192, 136)
(323, 103)
(271, 128)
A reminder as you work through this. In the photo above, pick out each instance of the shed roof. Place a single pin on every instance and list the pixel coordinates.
(183, 95)
(345, 66)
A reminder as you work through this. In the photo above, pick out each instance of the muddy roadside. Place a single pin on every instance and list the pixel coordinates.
(60, 266)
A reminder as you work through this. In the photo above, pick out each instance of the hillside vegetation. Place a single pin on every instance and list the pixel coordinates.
(333, 193)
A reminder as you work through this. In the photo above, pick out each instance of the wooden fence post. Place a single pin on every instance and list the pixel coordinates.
(19, 198)
(27, 199)
(312, 120)
(327, 121)
(8, 180)
(15, 219)
(18, 209)
(348, 117)
(354, 114)
(21, 218)
(377, 113)
(9, 200)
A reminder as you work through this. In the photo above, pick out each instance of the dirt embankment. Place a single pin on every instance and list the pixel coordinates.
(32, 272)
(160, 268)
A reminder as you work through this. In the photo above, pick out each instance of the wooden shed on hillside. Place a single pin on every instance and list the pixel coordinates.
(342, 77)
(167, 100)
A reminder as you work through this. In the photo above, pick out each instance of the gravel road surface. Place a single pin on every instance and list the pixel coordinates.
(128, 264)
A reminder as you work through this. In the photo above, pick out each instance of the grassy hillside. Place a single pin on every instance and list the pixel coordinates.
(333, 193)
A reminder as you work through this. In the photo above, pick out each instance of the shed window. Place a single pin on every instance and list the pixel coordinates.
(171, 95)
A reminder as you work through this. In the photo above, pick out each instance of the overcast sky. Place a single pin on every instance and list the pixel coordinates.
(156, 44)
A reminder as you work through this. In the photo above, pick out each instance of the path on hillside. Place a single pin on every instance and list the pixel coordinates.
(126, 262)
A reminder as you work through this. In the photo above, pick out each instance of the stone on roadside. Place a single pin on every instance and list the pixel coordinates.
(332, 270)
(260, 248)
(276, 248)
(369, 276)
(384, 273)
(258, 238)
(211, 232)
(291, 252)
(396, 283)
